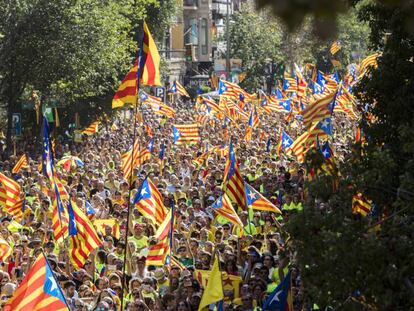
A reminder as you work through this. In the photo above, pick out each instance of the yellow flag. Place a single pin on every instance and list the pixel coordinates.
(214, 289)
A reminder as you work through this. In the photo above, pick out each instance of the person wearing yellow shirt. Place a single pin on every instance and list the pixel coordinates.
(139, 239)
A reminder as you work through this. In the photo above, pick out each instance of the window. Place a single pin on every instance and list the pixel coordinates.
(191, 32)
(204, 36)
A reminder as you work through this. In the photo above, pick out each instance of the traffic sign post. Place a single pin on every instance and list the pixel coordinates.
(16, 129)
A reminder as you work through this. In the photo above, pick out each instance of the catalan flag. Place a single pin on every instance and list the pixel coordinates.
(360, 205)
(223, 207)
(177, 88)
(146, 68)
(286, 105)
(369, 61)
(175, 262)
(39, 290)
(83, 236)
(201, 119)
(150, 202)
(127, 91)
(226, 88)
(233, 184)
(157, 106)
(257, 201)
(60, 221)
(359, 136)
(221, 150)
(101, 224)
(48, 167)
(158, 253)
(270, 104)
(290, 85)
(254, 118)
(248, 134)
(21, 163)
(281, 299)
(318, 110)
(297, 148)
(335, 47)
(210, 104)
(144, 154)
(284, 142)
(91, 129)
(165, 227)
(201, 159)
(12, 203)
(322, 130)
(186, 133)
(5, 250)
(129, 158)
(328, 155)
(148, 60)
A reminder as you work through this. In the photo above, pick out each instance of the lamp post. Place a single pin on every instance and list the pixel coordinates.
(228, 39)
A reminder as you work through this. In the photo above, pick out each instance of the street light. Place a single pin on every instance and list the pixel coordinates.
(228, 39)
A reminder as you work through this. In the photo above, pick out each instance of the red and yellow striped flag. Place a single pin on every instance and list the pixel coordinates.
(186, 133)
(39, 290)
(147, 68)
(91, 129)
(129, 159)
(149, 60)
(101, 224)
(21, 163)
(127, 91)
(335, 47)
(83, 236)
(59, 223)
(5, 250)
(318, 110)
(11, 190)
(158, 253)
(150, 203)
(224, 208)
(369, 61)
(233, 184)
(360, 205)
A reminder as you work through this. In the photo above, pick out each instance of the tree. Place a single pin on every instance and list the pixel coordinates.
(255, 39)
(351, 262)
(323, 13)
(70, 51)
(258, 39)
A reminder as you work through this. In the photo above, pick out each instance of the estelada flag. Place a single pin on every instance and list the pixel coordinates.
(39, 290)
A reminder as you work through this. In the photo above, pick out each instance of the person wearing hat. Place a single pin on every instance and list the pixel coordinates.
(162, 281)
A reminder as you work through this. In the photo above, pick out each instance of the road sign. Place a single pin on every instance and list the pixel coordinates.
(160, 92)
(17, 124)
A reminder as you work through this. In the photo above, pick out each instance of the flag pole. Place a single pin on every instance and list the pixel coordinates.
(140, 55)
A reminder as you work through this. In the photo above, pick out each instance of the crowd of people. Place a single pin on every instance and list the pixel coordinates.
(253, 260)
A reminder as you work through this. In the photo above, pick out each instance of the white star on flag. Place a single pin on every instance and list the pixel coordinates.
(276, 297)
(324, 123)
(54, 285)
(252, 195)
(144, 191)
(286, 142)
